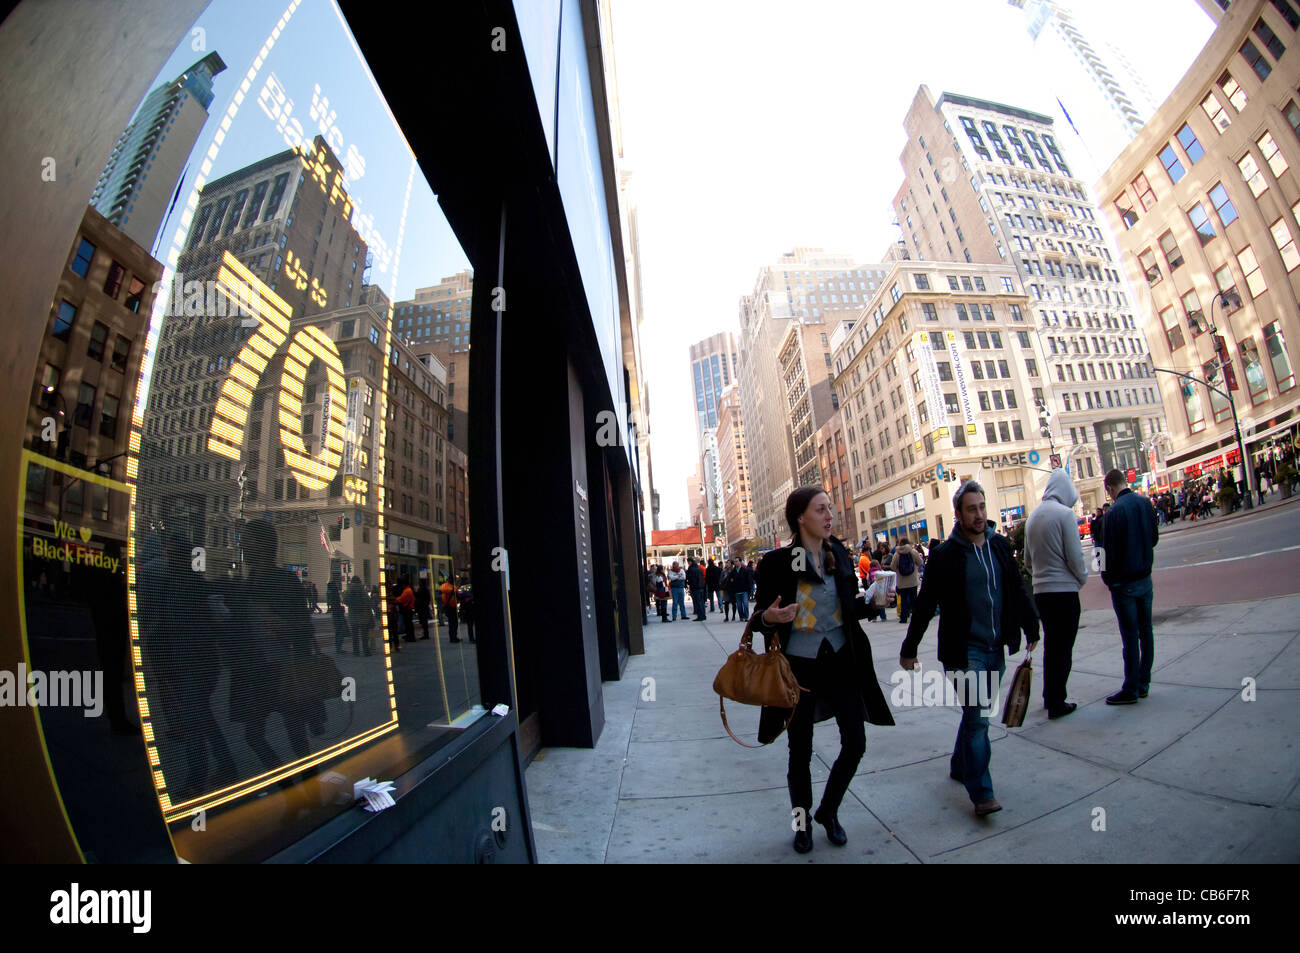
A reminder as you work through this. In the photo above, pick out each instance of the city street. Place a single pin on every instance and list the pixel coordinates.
(1199, 772)
(1252, 555)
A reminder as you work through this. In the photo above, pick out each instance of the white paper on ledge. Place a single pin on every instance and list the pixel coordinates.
(377, 793)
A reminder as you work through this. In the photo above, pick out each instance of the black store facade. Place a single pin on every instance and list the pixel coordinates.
(509, 124)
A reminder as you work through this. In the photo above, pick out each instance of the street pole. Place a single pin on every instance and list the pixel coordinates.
(1236, 426)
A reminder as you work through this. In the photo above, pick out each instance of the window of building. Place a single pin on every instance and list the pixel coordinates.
(984, 400)
(1236, 95)
(1124, 209)
(64, 318)
(1173, 165)
(108, 417)
(81, 260)
(1200, 220)
(1275, 344)
(1250, 267)
(1256, 59)
(1031, 367)
(1218, 115)
(85, 405)
(922, 282)
(977, 370)
(894, 293)
(1195, 317)
(1256, 383)
(1173, 333)
(1223, 205)
(1285, 244)
(1149, 267)
(930, 312)
(1270, 40)
(1173, 256)
(98, 337)
(1191, 145)
(1272, 154)
(990, 432)
(1226, 283)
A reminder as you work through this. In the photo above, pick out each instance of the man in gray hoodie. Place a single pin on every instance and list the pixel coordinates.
(1054, 555)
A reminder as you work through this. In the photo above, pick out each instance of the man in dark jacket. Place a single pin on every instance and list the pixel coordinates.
(713, 582)
(695, 582)
(1132, 532)
(974, 579)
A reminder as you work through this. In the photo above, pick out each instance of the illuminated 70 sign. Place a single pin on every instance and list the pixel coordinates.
(230, 416)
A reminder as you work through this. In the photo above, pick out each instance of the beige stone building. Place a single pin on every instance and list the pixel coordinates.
(737, 506)
(833, 461)
(815, 289)
(1206, 203)
(436, 322)
(988, 182)
(938, 380)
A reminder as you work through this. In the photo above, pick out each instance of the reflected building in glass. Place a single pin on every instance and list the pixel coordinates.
(143, 176)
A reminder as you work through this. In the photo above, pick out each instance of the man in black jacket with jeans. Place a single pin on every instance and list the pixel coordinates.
(973, 578)
(1131, 534)
(695, 582)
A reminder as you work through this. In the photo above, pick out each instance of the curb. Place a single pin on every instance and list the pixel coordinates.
(1215, 520)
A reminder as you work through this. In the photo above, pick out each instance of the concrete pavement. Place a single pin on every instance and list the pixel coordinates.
(1193, 773)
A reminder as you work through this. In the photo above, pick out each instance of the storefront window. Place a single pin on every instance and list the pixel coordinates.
(260, 640)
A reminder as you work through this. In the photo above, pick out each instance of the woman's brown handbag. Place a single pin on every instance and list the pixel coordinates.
(1018, 692)
(753, 679)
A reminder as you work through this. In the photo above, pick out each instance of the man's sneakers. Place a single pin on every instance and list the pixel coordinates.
(1123, 698)
(985, 808)
(1061, 712)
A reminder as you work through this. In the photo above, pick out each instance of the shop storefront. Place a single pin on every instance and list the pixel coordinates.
(279, 193)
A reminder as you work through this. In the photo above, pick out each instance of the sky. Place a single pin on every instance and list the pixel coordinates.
(752, 127)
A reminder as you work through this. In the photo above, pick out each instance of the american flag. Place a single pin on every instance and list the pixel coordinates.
(324, 537)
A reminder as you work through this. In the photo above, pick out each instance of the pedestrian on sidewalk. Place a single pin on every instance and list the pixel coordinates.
(662, 594)
(1054, 557)
(1131, 537)
(728, 594)
(907, 564)
(677, 582)
(449, 604)
(695, 581)
(424, 606)
(813, 607)
(973, 576)
(744, 583)
(334, 600)
(753, 579)
(360, 618)
(405, 602)
(713, 582)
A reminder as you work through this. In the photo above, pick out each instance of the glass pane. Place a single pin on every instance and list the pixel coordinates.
(1275, 342)
(263, 589)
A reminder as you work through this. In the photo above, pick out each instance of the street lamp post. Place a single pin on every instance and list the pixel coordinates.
(1236, 425)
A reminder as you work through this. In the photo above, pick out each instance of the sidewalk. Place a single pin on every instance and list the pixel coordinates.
(1192, 774)
(1272, 501)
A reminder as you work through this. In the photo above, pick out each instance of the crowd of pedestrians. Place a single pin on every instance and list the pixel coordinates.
(813, 593)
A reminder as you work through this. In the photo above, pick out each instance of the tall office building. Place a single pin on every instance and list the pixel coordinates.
(436, 323)
(737, 507)
(938, 380)
(1098, 88)
(137, 186)
(1205, 205)
(714, 365)
(809, 289)
(1009, 196)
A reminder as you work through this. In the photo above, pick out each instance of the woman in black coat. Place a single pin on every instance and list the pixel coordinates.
(808, 599)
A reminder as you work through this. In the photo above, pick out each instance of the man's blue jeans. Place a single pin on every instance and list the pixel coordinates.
(679, 601)
(1132, 602)
(742, 606)
(972, 751)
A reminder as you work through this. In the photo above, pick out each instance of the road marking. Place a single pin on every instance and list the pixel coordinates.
(1229, 559)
